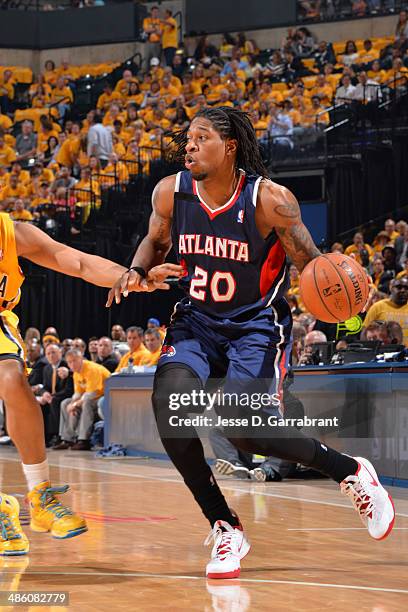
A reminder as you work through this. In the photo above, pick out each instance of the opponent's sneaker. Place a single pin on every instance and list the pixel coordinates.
(370, 499)
(230, 546)
(48, 514)
(13, 540)
(231, 468)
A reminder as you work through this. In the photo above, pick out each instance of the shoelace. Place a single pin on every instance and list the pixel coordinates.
(224, 547)
(8, 531)
(54, 505)
(360, 498)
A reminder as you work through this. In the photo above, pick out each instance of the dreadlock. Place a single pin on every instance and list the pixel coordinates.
(229, 123)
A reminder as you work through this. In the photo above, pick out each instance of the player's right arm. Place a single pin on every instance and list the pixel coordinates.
(153, 249)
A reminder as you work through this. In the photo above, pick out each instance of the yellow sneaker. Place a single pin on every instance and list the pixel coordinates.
(13, 540)
(48, 514)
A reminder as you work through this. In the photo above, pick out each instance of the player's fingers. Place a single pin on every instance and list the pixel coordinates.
(109, 301)
(164, 286)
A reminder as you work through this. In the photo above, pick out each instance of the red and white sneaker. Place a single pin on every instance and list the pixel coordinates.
(230, 546)
(370, 499)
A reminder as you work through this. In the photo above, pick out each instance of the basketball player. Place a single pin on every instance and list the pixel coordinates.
(231, 228)
(24, 418)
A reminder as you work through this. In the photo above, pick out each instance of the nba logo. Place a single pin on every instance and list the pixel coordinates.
(240, 217)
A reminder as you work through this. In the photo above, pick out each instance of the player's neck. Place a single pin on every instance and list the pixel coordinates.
(219, 188)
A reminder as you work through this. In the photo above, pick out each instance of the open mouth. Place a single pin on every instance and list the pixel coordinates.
(189, 161)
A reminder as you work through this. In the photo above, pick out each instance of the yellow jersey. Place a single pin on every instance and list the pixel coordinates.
(11, 276)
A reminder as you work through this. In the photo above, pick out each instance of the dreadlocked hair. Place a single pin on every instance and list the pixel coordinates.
(229, 123)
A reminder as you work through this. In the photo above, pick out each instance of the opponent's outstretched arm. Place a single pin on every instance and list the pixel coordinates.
(278, 209)
(153, 249)
(35, 245)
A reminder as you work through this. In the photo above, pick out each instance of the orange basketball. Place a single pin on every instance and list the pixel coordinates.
(334, 287)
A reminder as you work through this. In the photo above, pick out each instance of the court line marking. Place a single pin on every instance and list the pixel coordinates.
(338, 529)
(353, 587)
(179, 481)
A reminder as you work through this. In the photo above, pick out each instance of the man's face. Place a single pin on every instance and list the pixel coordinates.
(206, 151)
(399, 291)
(66, 344)
(79, 344)
(53, 354)
(152, 343)
(75, 362)
(155, 13)
(33, 351)
(27, 128)
(13, 181)
(378, 266)
(117, 332)
(93, 347)
(134, 341)
(104, 348)
(389, 226)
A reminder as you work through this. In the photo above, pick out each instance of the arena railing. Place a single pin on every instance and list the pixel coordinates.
(336, 10)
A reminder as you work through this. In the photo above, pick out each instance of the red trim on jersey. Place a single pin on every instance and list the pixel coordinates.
(213, 213)
(271, 267)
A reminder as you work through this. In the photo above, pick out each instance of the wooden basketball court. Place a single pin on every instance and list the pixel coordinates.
(144, 549)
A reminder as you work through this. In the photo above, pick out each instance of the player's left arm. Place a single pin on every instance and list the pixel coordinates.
(278, 209)
(38, 247)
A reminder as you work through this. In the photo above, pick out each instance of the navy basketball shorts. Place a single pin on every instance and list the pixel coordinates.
(249, 355)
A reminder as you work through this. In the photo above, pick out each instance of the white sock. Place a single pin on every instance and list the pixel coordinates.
(36, 473)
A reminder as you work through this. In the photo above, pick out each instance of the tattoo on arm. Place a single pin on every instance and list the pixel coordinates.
(298, 244)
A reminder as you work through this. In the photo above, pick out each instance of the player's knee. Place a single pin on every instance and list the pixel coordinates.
(12, 376)
(169, 384)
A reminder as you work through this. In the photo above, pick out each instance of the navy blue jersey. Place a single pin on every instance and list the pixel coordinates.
(230, 269)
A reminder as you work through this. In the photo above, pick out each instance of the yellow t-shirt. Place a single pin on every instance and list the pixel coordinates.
(8, 192)
(91, 378)
(138, 356)
(152, 358)
(7, 156)
(353, 249)
(386, 310)
(11, 276)
(23, 215)
(169, 38)
(148, 22)
(5, 122)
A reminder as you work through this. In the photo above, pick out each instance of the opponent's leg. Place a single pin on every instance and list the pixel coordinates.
(25, 426)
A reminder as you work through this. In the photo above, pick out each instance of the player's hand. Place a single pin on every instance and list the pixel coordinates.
(132, 281)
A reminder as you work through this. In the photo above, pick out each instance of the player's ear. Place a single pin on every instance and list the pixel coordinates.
(232, 146)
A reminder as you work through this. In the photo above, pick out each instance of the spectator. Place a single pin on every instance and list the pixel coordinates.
(389, 227)
(79, 344)
(99, 140)
(57, 386)
(32, 333)
(153, 343)
(298, 335)
(401, 30)
(26, 143)
(35, 364)
(394, 308)
(152, 27)
(362, 251)
(19, 212)
(93, 348)
(387, 332)
(7, 154)
(404, 271)
(170, 37)
(119, 343)
(358, 8)
(205, 49)
(324, 55)
(78, 412)
(106, 356)
(367, 90)
(137, 353)
(381, 278)
(337, 247)
(390, 260)
(345, 93)
(63, 179)
(350, 55)
(380, 241)
(310, 356)
(66, 345)
(280, 128)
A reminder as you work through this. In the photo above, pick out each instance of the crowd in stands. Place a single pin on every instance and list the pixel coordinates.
(56, 163)
(67, 376)
(386, 314)
(322, 10)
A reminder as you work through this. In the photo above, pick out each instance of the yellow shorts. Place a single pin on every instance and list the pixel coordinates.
(11, 343)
